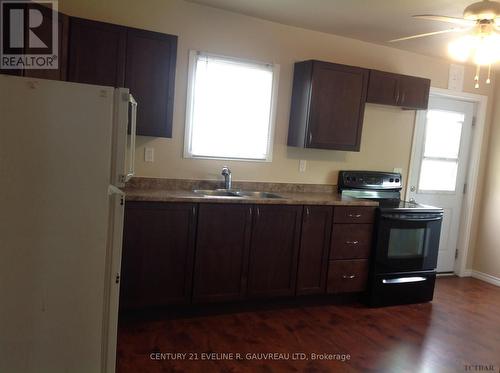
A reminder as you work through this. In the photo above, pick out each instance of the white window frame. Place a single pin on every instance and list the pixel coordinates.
(190, 105)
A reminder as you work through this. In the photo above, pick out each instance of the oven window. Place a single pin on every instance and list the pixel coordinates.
(407, 243)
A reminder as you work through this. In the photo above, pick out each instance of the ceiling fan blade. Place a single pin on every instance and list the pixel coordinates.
(455, 20)
(456, 29)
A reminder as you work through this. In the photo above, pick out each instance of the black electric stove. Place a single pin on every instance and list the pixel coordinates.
(406, 240)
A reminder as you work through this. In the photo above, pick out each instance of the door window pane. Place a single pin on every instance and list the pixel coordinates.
(442, 134)
(438, 175)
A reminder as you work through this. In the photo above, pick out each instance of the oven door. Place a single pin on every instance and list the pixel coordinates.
(407, 241)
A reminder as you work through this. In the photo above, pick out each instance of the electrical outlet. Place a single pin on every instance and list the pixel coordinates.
(149, 154)
(302, 165)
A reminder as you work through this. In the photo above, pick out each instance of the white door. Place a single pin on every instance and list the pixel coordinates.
(439, 166)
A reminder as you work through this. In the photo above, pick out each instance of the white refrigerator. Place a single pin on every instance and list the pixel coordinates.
(66, 149)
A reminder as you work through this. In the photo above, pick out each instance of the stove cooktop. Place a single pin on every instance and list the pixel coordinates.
(387, 205)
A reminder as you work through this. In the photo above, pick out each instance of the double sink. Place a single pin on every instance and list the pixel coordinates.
(235, 193)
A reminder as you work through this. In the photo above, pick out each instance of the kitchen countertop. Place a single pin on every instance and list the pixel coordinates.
(158, 190)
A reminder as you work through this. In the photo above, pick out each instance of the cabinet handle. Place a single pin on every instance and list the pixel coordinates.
(310, 137)
(250, 211)
(348, 277)
(403, 96)
(307, 211)
(258, 212)
(352, 242)
(194, 210)
(354, 216)
(397, 94)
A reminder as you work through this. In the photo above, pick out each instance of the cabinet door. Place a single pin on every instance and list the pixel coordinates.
(414, 92)
(347, 276)
(221, 259)
(337, 106)
(274, 250)
(150, 75)
(158, 249)
(314, 246)
(45, 29)
(383, 88)
(96, 53)
(351, 241)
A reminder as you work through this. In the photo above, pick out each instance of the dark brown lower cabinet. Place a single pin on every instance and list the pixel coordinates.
(314, 248)
(274, 250)
(221, 260)
(347, 276)
(351, 241)
(158, 249)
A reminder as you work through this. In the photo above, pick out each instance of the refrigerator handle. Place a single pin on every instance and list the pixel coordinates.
(133, 133)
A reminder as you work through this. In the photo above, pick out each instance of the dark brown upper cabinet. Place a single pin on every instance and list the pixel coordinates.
(221, 260)
(274, 250)
(314, 248)
(158, 250)
(409, 92)
(143, 61)
(150, 75)
(97, 53)
(327, 106)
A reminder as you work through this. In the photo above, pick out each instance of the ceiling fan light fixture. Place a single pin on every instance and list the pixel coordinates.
(482, 10)
(484, 49)
(460, 49)
(481, 45)
(487, 50)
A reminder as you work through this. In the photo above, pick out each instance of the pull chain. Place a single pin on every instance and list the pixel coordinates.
(476, 78)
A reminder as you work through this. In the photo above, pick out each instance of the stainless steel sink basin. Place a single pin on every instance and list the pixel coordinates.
(235, 193)
(258, 194)
(217, 192)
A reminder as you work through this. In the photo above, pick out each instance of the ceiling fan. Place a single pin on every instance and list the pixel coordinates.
(480, 22)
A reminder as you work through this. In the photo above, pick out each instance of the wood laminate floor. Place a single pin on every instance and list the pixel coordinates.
(458, 332)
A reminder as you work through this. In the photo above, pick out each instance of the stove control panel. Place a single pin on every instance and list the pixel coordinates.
(369, 180)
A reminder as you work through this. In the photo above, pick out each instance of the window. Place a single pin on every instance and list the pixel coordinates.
(443, 132)
(230, 108)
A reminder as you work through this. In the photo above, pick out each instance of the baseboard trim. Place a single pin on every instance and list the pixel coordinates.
(466, 273)
(445, 274)
(486, 278)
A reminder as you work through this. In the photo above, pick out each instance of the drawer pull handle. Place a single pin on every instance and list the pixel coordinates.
(352, 242)
(354, 215)
(348, 277)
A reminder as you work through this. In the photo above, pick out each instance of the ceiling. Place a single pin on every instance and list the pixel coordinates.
(370, 20)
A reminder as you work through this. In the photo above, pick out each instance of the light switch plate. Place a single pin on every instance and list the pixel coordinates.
(302, 165)
(149, 154)
(456, 77)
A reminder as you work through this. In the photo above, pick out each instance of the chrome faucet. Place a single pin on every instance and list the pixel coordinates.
(226, 172)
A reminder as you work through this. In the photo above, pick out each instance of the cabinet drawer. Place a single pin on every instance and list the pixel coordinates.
(354, 214)
(346, 276)
(351, 241)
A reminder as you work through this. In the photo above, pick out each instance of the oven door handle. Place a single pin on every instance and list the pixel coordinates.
(403, 280)
(425, 219)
